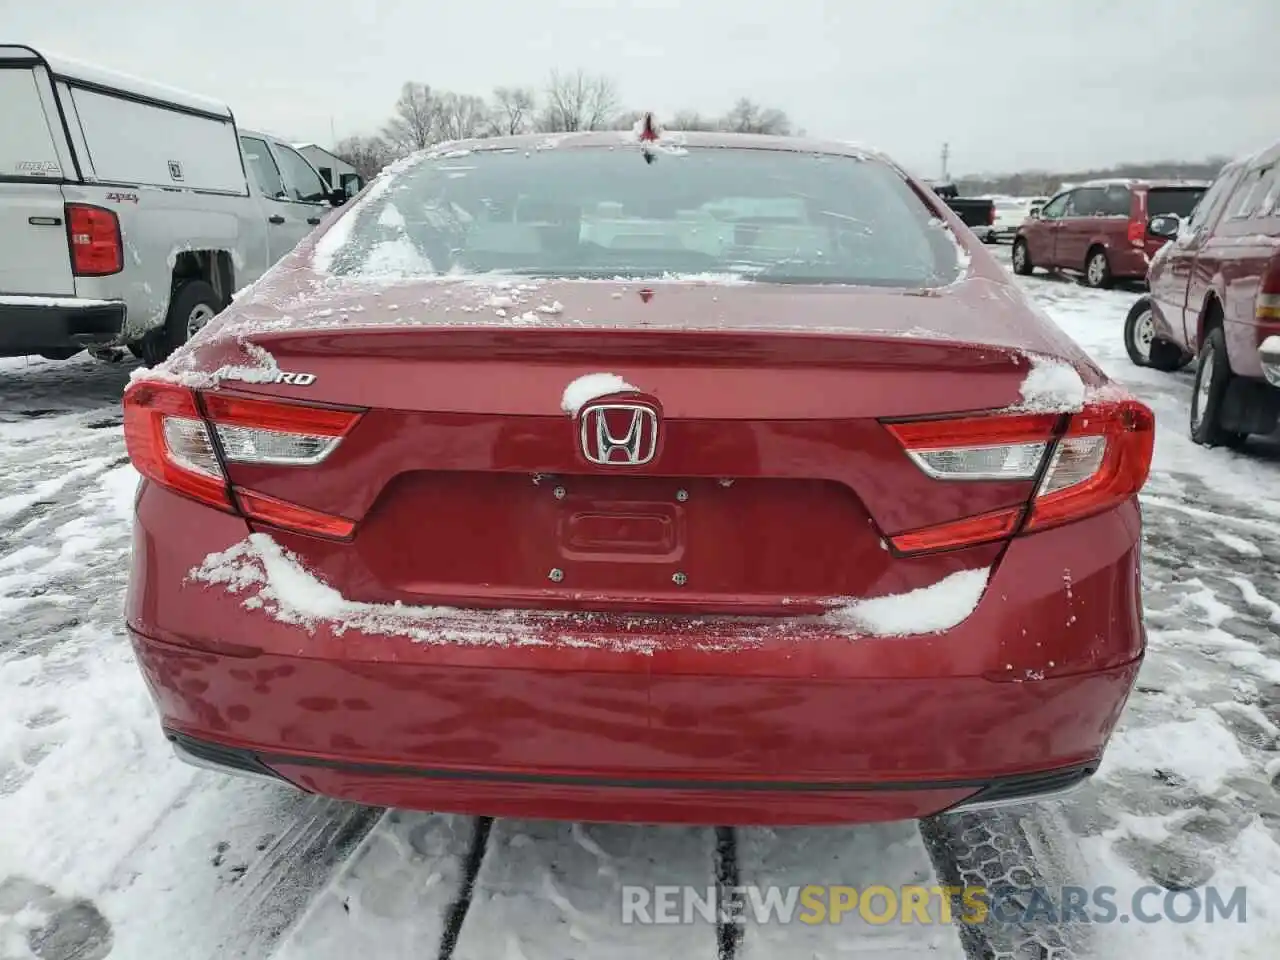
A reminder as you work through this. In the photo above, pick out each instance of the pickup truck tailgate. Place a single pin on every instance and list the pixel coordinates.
(34, 257)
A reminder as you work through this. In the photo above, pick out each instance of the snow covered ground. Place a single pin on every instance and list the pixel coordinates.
(108, 847)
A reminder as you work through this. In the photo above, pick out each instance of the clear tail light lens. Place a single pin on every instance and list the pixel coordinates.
(1096, 459)
(169, 442)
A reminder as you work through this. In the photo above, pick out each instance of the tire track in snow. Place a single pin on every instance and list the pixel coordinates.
(728, 880)
(393, 896)
(457, 914)
(554, 891)
(889, 855)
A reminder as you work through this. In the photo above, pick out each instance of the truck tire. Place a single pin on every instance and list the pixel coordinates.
(1022, 264)
(192, 305)
(1213, 376)
(1145, 349)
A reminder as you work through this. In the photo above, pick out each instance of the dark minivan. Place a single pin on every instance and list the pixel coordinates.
(1099, 229)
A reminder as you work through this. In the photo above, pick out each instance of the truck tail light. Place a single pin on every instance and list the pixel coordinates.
(1085, 463)
(991, 215)
(169, 440)
(1267, 305)
(93, 235)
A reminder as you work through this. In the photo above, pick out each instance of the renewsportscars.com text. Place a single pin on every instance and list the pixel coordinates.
(910, 904)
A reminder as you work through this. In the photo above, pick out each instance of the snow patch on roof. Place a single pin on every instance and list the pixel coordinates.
(1051, 386)
(591, 386)
(932, 609)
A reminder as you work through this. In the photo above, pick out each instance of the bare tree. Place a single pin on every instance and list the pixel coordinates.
(413, 126)
(747, 116)
(367, 154)
(512, 112)
(693, 120)
(578, 101)
(460, 116)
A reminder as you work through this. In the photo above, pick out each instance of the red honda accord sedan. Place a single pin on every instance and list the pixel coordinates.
(711, 479)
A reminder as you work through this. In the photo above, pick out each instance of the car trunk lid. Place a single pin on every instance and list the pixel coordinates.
(773, 488)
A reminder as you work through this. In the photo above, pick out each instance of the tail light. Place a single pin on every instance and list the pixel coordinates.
(1267, 306)
(1137, 233)
(991, 215)
(93, 234)
(1083, 464)
(169, 441)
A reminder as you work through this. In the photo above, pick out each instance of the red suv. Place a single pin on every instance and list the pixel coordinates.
(1100, 228)
(1215, 294)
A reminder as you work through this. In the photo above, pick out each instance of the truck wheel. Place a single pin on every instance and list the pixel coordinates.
(1022, 264)
(1097, 270)
(192, 306)
(1213, 376)
(1140, 333)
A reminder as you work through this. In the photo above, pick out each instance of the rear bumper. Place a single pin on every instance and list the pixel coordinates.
(34, 324)
(801, 725)
(633, 799)
(1128, 263)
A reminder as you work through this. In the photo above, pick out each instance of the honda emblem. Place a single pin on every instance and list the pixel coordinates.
(619, 434)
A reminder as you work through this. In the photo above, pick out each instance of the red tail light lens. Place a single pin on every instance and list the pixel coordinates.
(169, 442)
(1137, 233)
(94, 237)
(991, 215)
(1100, 459)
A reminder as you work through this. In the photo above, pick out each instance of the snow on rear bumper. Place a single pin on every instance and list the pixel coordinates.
(1033, 681)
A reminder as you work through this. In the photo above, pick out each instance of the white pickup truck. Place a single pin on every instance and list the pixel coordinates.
(127, 218)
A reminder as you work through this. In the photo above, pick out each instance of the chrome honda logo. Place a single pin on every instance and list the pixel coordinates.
(619, 434)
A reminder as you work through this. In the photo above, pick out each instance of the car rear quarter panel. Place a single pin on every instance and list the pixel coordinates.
(158, 224)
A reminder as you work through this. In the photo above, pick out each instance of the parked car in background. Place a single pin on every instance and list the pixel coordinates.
(1099, 228)
(1215, 297)
(1010, 213)
(1033, 207)
(502, 533)
(977, 213)
(126, 218)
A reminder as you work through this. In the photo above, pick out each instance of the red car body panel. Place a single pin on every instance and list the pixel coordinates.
(617, 690)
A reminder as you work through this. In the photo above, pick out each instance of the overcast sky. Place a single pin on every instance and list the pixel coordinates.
(1009, 84)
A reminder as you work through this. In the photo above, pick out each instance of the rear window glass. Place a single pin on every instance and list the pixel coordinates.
(1180, 201)
(26, 142)
(603, 212)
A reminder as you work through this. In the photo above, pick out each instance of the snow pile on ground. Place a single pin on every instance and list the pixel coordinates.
(932, 609)
(592, 386)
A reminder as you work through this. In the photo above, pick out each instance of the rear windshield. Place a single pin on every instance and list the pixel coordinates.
(1162, 201)
(768, 215)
